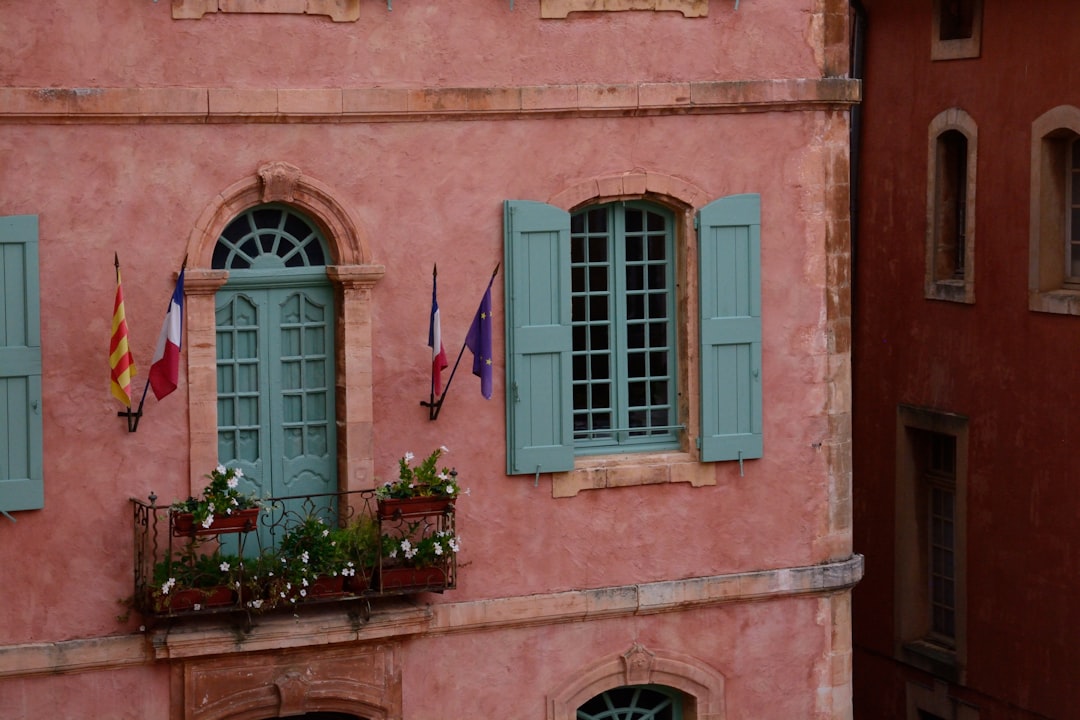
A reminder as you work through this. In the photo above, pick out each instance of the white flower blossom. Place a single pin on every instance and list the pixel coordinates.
(449, 489)
(304, 557)
(443, 448)
(408, 458)
(197, 607)
(209, 520)
(453, 543)
(303, 593)
(238, 473)
(325, 533)
(220, 470)
(168, 585)
(438, 549)
(224, 567)
(231, 483)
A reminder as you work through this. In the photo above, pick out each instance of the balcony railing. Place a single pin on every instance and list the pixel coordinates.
(291, 553)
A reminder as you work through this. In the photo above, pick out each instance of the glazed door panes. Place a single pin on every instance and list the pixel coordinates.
(633, 702)
(275, 380)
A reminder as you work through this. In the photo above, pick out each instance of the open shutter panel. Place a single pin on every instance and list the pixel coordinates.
(729, 249)
(21, 485)
(538, 339)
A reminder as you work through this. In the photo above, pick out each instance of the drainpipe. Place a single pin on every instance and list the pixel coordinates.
(857, 60)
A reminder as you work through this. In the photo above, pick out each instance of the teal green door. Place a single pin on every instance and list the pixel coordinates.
(275, 378)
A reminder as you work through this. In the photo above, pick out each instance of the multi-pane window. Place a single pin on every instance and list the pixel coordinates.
(622, 312)
(591, 336)
(931, 545)
(633, 702)
(940, 478)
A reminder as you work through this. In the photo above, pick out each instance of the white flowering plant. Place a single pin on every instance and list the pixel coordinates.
(429, 550)
(311, 549)
(190, 571)
(220, 497)
(423, 479)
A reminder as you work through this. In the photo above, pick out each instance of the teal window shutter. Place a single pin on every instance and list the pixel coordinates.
(21, 486)
(729, 263)
(538, 338)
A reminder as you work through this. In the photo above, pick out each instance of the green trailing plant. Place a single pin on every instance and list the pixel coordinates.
(358, 542)
(192, 571)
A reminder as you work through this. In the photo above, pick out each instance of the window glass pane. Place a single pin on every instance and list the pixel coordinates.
(620, 305)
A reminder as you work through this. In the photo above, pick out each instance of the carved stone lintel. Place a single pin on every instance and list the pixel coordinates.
(279, 181)
(639, 665)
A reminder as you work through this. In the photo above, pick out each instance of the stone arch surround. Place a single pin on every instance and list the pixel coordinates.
(361, 681)
(353, 276)
(639, 665)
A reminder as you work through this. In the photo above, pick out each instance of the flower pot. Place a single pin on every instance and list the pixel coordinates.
(326, 586)
(359, 583)
(409, 578)
(183, 524)
(195, 599)
(399, 507)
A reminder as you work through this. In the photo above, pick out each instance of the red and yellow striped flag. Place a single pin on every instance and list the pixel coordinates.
(120, 361)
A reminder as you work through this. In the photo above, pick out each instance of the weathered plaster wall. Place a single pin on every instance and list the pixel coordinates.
(1011, 371)
(416, 44)
(93, 465)
(425, 176)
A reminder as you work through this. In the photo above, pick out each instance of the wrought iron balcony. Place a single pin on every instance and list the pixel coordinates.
(290, 553)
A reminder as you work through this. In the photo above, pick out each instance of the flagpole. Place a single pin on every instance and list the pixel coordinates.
(146, 387)
(434, 407)
(132, 417)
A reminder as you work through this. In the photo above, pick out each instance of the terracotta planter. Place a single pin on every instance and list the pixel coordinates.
(403, 507)
(326, 586)
(408, 578)
(360, 582)
(183, 524)
(188, 598)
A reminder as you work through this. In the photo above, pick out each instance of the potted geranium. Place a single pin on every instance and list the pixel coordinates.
(221, 509)
(418, 561)
(420, 489)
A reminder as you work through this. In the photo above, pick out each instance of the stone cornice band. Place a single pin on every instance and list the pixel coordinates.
(344, 105)
(274, 632)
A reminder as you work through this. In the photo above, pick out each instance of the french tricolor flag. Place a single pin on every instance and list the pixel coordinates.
(438, 352)
(165, 370)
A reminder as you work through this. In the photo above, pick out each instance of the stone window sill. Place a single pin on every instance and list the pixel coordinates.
(595, 473)
(562, 8)
(1061, 301)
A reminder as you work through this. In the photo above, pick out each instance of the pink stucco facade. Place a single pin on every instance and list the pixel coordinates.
(124, 128)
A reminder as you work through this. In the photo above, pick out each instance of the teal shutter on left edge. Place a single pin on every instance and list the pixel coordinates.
(21, 485)
(539, 408)
(729, 261)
